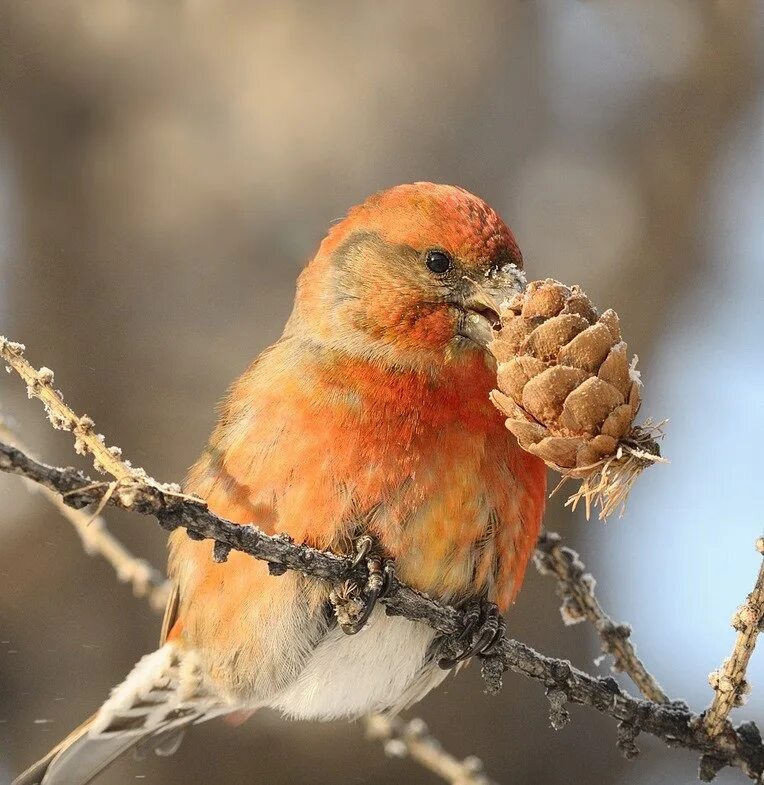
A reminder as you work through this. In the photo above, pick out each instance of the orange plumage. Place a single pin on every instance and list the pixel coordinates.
(370, 415)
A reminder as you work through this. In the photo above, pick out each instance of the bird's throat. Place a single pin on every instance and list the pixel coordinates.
(455, 392)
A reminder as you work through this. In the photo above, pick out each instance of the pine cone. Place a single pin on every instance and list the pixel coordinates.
(566, 385)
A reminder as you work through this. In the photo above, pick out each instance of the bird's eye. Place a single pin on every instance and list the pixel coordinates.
(438, 261)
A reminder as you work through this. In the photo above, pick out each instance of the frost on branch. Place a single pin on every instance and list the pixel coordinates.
(146, 581)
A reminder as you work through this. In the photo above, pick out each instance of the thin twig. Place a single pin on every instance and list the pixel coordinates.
(40, 385)
(729, 682)
(145, 579)
(576, 589)
(413, 739)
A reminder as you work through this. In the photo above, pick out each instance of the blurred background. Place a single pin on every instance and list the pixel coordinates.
(165, 171)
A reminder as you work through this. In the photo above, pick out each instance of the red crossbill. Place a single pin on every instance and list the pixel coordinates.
(369, 416)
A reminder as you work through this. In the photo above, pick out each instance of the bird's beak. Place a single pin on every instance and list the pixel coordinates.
(480, 319)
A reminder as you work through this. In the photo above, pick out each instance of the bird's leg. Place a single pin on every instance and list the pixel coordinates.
(354, 606)
(483, 626)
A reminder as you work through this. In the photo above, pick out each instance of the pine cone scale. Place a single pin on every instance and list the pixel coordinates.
(564, 379)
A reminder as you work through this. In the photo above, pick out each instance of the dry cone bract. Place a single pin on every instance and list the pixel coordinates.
(570, 393)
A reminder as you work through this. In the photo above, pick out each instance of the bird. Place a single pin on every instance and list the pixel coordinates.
(365, 428)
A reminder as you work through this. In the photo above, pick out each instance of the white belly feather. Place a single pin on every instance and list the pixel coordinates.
(382, 666)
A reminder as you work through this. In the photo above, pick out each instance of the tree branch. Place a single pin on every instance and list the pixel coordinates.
(62, 417)
(413, 739)
(729, 683)
(173, 509)
(575, 587)
(400, 739)
(673, 723)
(132, 490)
(145, 579)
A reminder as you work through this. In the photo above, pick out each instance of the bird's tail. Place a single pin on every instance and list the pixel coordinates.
(160, 698)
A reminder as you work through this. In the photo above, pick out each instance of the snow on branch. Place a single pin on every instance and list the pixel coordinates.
(132, 490)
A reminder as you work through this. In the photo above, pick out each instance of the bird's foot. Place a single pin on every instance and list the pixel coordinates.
(483, 626)
(352, 603)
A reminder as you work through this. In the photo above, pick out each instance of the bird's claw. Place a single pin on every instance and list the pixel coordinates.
(483, 626)
(355, 607)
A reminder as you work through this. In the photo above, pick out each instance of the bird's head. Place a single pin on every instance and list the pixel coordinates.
(411, 278)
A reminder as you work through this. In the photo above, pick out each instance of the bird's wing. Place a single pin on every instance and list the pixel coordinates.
(162, 695)
(170, 614)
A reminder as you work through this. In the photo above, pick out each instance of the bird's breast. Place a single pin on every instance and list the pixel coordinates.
(328, 448)
(434, 474)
